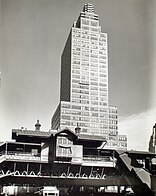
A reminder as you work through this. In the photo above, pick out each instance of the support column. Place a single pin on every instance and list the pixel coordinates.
(118, 189)
(68, 170)
(80, 170)
(27, 168)
(14, 167)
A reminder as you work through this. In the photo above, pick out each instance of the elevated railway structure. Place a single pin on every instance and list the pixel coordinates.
(38, 158)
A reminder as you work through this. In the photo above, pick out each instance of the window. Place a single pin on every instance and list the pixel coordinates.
(76, 112)
(75, 81)
(84, 87)
(94, 83)
(85, 113)
(94, 23)
(84, 73)
(103, 35)
(94, 109)
(85, 27)
(103, 110)
(94, 29)
(49, 194)
(94, 98)
(65, 106)
(103, 103)
(94, 74)
(103, 84)
(94, 114)
(59, 140)
(85, 21)
(76, 107)
(76, 76)
(64, 141)
(103, 94)
(103, 71)
(94, 92)
(84, 97)
(94, 79)
(84, 92)
(94, 38)
(76, 62)
(63, 122)
(75, 90)
(65, 117)
(94, 65)
(75, 67)
(34, 151)
(84, 101)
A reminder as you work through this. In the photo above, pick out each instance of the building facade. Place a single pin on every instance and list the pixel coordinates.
(84, 82)
(152, 142)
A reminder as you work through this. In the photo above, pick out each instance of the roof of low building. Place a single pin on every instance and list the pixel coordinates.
(46, 134)
(135, 152)
(21, 132)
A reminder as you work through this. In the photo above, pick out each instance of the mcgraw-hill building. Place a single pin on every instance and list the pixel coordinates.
(84, 100)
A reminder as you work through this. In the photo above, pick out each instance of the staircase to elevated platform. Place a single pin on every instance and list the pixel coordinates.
(140, 179)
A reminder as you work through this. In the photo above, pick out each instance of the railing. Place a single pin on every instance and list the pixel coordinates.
(97, 158)
(28, 156)
(15, 155)
(107, 161)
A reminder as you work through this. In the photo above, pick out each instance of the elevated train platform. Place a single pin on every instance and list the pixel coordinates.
(38, 159)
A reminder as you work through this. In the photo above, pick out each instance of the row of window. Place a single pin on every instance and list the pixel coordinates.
(85, 62)
(89, 125)
(82, 107)
(122, 138)
(104, 84)
(87, 92)
(86, 46)
(94, 76)
(112, 116)
(93, 41)
(63, 140)
(116, 144)
(79, 96)
(113, 127)
(87, 102)
(85, 27)
(112, 110)
(90, 22)
(95, 131)
(66, 116)
(93, 50)
(93, 69)
(78, 30)
(85, 80)
(113, 122)
(94, 62)
(87, 36)
(93, 58)
(102, 68)
(63, 151)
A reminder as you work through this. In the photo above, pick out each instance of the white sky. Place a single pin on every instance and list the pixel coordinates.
(32, 37)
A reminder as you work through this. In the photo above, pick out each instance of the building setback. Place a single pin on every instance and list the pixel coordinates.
(84, 83)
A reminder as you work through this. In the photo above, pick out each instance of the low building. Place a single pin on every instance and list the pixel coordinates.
(53, 146)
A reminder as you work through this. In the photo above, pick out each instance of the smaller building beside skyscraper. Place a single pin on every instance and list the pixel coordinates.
(84, 100)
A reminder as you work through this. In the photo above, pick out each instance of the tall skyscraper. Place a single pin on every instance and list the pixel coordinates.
(84, 82)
